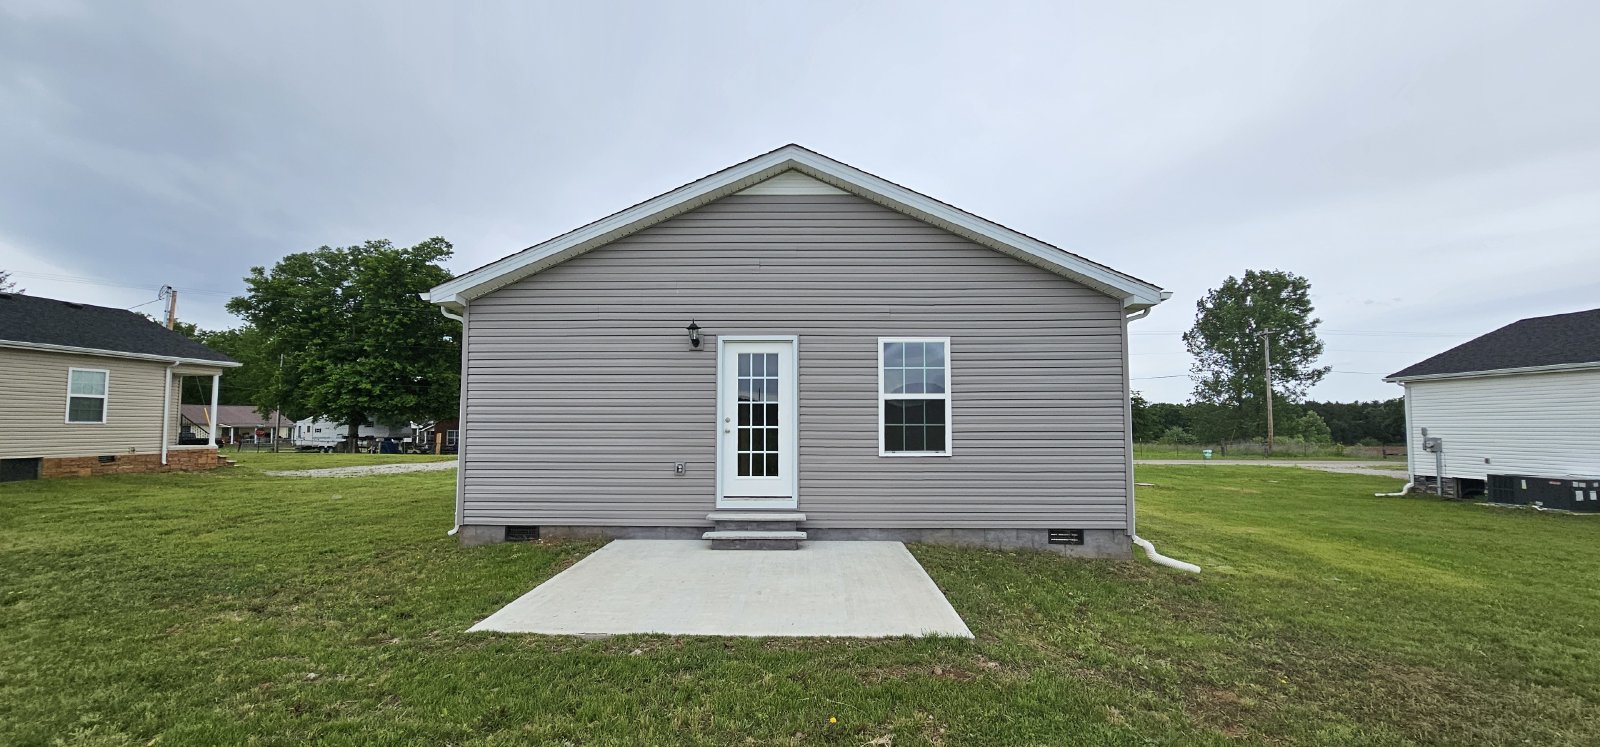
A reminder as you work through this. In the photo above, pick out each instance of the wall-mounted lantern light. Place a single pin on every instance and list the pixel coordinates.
(694, 334)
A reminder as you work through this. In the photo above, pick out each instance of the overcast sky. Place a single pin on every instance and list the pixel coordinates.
(1432, 167)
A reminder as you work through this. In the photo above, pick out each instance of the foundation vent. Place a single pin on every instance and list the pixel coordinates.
(521, 534)
(1066, 536)
(108, 458)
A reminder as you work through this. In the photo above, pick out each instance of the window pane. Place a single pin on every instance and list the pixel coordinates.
(744, 390)
(934, 412)
(914, 438)
(914, 354)
(772, 390)
(756, 413)
(894, 354)
(744, 414)
(894, 412)
(772, 465)
(757, 366)
(894, 381)
(744, 439)
(772, 415)
(85, 409)
(744, 465)
(934, 355)
(756, 438)
(744, 364)
(894, 438)
(756, 390)
(88, 382)
(772, 364)
(772, 439)
(933, 380)
(935, 438)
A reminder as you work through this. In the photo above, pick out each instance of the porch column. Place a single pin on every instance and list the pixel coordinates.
(216, 391)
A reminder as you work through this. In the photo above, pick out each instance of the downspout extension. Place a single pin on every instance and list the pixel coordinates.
(1160, 559)
(1404, 489)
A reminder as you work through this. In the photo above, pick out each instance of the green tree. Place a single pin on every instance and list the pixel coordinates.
(1312, 429)
(7, 285)
(358, 344)
(1226, 342)
(1144, 423)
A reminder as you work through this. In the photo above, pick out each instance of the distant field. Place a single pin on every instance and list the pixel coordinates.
(1181, 451)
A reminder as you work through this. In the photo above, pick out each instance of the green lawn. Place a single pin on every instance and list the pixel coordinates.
(230, 607)
(267, 460)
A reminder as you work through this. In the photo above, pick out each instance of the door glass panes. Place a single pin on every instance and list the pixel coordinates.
(758, 415)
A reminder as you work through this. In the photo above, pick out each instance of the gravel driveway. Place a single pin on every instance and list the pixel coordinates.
(374, 469)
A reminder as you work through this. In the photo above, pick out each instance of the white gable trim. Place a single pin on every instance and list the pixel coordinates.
(1135, 294)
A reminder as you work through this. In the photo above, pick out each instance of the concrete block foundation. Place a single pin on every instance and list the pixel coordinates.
(1112, 544)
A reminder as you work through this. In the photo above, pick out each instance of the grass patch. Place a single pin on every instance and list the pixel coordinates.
(230, 607)
(266, 460)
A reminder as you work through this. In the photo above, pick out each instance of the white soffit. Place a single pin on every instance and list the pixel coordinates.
(806, 167)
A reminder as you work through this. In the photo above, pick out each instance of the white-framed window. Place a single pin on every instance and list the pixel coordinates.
(87, 392)
(450, 437)
(914, 396)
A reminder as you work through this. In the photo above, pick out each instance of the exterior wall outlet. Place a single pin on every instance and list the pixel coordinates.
(680, 468)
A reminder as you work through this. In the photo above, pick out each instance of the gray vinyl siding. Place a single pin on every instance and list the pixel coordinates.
(582, 391)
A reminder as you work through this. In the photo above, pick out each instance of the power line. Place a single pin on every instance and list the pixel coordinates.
(85, 280)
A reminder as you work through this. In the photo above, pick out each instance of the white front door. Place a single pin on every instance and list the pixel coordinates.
(756, 413)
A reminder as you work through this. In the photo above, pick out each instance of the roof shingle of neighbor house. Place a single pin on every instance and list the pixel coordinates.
(1562, 339)
(32, 320)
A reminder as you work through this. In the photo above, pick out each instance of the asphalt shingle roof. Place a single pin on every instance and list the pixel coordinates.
(48, 321)
(1541, 341)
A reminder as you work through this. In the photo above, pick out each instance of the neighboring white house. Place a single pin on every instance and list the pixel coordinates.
(1516, 414)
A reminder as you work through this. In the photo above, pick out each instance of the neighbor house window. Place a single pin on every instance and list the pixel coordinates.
(450, 438)
(914, 396)
(86, 395)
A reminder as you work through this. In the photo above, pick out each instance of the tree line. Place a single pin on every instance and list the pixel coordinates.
(1375, 423)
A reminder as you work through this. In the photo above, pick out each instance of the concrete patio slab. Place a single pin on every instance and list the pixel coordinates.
(682, 587)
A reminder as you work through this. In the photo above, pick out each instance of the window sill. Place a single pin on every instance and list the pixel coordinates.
(913, 453)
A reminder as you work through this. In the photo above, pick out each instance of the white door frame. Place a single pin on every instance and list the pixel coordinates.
(788, 394)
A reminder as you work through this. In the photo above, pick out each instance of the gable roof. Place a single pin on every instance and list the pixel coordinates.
(64, 326)
(1544, 343)
(1136, 294)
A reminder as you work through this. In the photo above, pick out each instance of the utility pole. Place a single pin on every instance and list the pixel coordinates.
(1266, 350)
(171, 294)
(277, 410)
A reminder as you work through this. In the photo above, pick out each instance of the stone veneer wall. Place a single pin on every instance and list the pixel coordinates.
(178, 460)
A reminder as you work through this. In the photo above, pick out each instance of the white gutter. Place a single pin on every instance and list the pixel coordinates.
(166, 411)
(1554, 368)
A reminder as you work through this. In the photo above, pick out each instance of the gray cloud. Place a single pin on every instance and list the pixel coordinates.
(1433, 167)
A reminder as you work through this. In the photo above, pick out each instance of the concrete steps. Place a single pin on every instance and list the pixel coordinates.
(755, 530)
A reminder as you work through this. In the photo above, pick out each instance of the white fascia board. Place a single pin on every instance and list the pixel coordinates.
(457, 291)
(115, 354)
(1557, 368)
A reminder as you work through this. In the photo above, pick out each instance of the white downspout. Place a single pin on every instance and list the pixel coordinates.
(1149, 549)
(166, 413)
(460, 468)
(216, 392)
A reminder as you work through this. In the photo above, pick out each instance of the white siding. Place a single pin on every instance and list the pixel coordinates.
(1546, 425)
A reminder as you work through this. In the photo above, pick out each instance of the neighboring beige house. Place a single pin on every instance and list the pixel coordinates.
(794, 349)
(87, 390)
